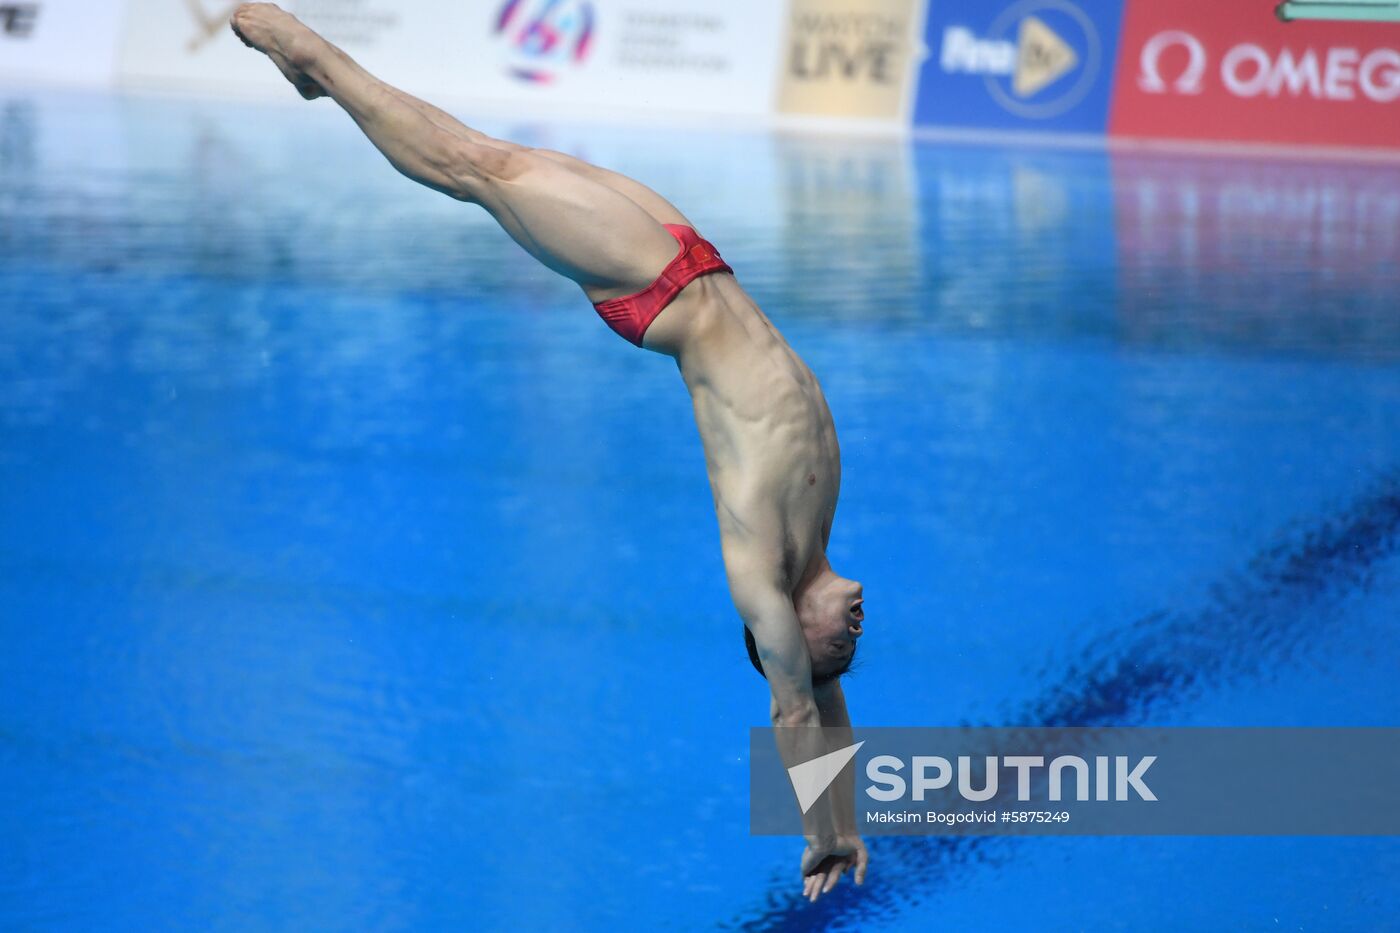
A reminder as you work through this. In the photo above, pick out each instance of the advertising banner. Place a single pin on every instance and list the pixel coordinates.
(60, 41)
(687, 56)
(1022, 65)
(851, 58)
(1203, 69)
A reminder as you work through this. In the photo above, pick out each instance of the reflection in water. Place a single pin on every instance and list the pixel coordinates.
(1015, 241)
(17, 129)
(1289, 255)
(850, 248)
(1286, 255)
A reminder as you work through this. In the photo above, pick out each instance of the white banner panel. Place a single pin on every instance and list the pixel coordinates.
(188, 42)
(694, 56)
(714, 56)
(60, 41)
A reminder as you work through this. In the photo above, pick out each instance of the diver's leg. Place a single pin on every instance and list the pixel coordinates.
(577, 226)
(659, 208)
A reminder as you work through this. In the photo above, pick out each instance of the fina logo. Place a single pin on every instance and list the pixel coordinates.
(1039, 75)
(544, 36)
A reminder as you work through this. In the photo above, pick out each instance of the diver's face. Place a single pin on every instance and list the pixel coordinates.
(833, 619)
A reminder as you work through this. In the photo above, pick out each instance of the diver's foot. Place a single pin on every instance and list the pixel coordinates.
(281, 37)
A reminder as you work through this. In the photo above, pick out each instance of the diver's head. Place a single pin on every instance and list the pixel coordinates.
(831, 613)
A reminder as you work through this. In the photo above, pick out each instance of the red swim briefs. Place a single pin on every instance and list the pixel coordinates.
(632, 315)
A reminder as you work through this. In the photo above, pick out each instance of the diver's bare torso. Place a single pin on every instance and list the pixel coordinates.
(770, 444)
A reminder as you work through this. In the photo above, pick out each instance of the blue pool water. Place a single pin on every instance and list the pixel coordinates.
(353, 576)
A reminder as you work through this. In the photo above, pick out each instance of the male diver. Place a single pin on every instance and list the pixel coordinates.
(769, 441)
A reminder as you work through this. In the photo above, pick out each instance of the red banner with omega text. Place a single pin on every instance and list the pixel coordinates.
(1230, 70)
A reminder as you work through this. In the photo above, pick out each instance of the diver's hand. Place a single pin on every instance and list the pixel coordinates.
(825, 860)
